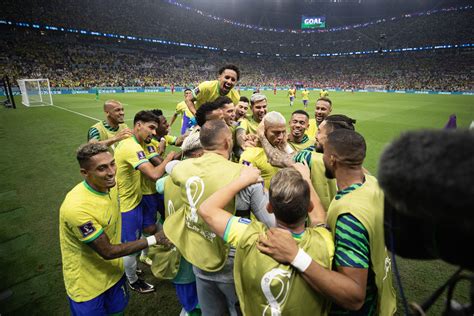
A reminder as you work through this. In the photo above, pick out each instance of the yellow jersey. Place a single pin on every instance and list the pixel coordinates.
(129, 154)
(151, 150)
(305, 143)
(208, 91)
(305, 95)
(182, 109)
(84, 215)
(249, 125)
(291, 93)
(257, 157)
(312, 130)
(323, 93)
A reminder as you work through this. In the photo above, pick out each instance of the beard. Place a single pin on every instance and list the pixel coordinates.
(319, 148)
(327, 172)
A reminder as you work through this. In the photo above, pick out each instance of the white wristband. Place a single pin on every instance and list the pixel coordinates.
(301, 261)
(151, 240)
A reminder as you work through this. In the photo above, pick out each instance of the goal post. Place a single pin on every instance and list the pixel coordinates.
(35, 92)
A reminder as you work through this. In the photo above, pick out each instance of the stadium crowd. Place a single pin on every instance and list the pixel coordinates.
(169, 22)
(75, 61)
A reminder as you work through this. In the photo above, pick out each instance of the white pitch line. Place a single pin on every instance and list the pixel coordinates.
(89, 117)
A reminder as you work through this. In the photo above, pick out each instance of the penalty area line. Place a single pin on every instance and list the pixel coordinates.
(89, 117)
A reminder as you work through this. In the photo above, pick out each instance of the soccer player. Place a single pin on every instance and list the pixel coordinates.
(112, 129)
(275, 132)
(292, 94)
(241, 109)
(264, 286)
(197, 179)
(312, 156)
(132, 165)
(305, 97)
(323, 93)
(274, 88)
(228, 111)
(361, 283)
(297, 138)
(90, 234)
(182, 109)
(152, 201)
(208, 91)
(248, 126)
(97, 94)
(323, 109)
(207, 112)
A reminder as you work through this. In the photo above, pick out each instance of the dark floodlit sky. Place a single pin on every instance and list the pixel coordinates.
(287, 13)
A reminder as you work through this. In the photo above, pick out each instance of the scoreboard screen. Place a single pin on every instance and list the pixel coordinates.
(313, 22)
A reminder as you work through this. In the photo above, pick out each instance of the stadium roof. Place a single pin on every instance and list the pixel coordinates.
(287, 13)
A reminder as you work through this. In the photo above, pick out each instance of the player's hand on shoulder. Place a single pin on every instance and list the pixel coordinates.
(278, 244)
(250, 175)
(125, 133)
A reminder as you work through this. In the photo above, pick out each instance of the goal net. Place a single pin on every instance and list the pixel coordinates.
(35, 92)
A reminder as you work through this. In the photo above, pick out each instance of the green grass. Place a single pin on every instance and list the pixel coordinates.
(38, 168)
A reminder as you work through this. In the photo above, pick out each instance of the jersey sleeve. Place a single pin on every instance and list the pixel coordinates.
(303, 155)
(200, 92)
(151, 149)
(246, 158)
(135, 156)
(84, 226)
(243, 125)
(93, 133)
(170, 140)
(235, 229)
(352, 243)
(179, 108)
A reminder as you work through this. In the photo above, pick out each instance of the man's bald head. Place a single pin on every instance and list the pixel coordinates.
(214, 135)
(114, 112)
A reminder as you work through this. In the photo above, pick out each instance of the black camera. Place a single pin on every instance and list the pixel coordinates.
(428, 181)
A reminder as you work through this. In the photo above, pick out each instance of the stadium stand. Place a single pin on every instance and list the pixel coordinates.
(75, 61)
(160, 19)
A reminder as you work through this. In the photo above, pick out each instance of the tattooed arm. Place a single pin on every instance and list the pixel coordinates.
(276, 157)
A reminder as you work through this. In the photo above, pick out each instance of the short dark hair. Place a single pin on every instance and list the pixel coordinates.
(187, 89)
(86, 151)
(348, 145)
(211, 134)
(221, 101)
(325, 99)
(289, 196)
(157, 112)
(203, 111)
(339, 121)
(301, 112)
(231, 67)
(244, 99)
(145, 117)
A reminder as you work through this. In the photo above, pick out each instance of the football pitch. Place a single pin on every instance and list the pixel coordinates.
(38, 168)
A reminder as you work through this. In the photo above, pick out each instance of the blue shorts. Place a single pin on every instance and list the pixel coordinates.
(132, 223)
(187, 295)
(291, 99)
(152, 203)
(305, 102)
(185, 124)
(112, 301)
